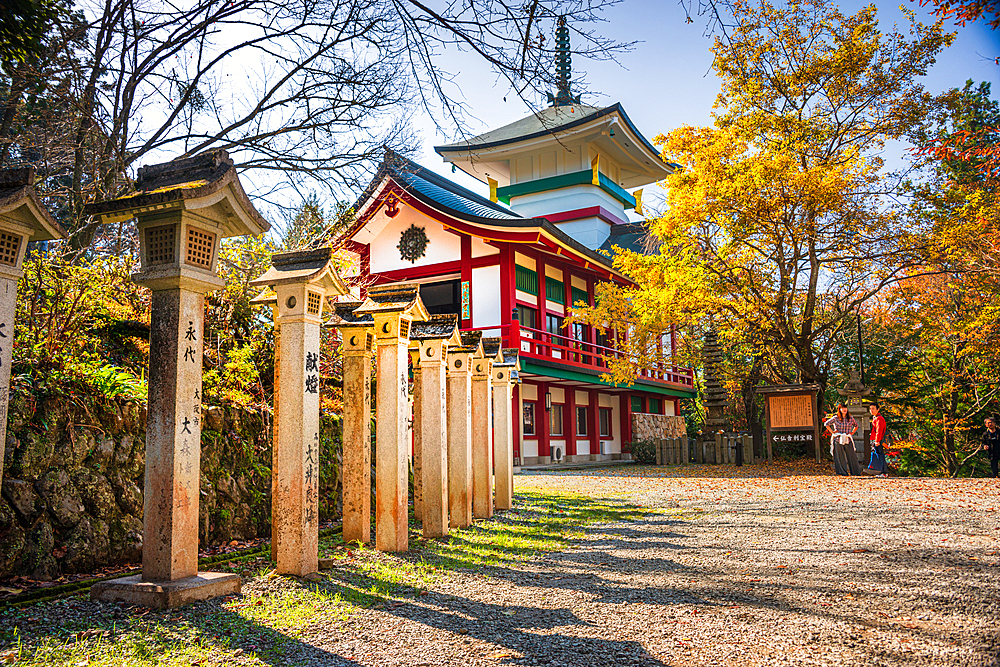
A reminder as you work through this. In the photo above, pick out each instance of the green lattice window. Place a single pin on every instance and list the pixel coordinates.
(580, 295)
(555, 291)
(525, 279)
(637, 405)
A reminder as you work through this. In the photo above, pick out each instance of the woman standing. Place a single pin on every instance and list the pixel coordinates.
(842, 428)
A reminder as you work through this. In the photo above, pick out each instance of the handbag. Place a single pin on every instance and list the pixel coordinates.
(876, 462)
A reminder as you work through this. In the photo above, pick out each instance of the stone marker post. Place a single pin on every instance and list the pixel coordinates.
(269, 299)
(23, 218)
(394, 308)
(460, 428)
(301, 281)
(503, 378)
(357, 335)
(418, 482)
(430, 342)
(482, 429)
(182, 211)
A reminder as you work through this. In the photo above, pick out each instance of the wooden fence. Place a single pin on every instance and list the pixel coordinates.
(722, 449)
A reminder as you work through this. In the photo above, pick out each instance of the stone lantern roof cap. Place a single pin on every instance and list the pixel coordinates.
(511, 357)
(20, 204)
(399, 298)
(267, 297)
(344, 315)
(491, 348)
(437, 327)
(304, 266)
(205, 181)
(473, 342)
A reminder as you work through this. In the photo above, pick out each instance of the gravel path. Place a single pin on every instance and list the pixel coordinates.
(793, 568)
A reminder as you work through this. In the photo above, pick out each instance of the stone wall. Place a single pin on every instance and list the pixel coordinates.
(73, 472)
(648, 427)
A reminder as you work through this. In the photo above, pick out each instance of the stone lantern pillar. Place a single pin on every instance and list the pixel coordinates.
(182, 211)
(430, 342)
(357, 335)
(482, 429)
(23, 218)
(503, 377)
(394, 308)
(269, 298)
(301, 282)
(460, 427)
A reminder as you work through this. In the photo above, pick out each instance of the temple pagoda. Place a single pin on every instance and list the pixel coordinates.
(511, 262)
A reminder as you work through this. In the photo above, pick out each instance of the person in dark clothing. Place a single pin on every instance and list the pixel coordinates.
(991, 443)
(877, 464)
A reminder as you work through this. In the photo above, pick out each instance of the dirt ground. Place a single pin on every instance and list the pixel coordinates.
(778, 565)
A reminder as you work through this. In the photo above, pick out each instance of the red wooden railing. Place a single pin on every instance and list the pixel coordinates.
(569, 351)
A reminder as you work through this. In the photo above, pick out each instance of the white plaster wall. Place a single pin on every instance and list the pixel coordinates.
(591, 232)
(555, 307)
(529, 447)
(566, 199)
(524, 260)
(558, 394)
(606, 400)
(442, 246)
(481, 248)
(578, 283)
(529, 392)
(524, 296)
(486, 296)
(582, 398)
(583, 447)
(668, 407)
(553, 272)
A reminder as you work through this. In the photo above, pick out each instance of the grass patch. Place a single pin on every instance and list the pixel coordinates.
(269, 622)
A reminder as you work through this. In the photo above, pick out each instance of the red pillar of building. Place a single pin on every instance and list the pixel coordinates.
(515, 410)
(466, 279)
(507, 294)
(594, 428)
(569, 420)
(625, 412)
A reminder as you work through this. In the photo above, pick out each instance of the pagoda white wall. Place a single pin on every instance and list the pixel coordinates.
(442, 246)
(486, 298)
(566, 199)
(591, 232)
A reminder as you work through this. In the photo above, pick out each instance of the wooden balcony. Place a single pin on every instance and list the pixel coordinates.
(584, 356)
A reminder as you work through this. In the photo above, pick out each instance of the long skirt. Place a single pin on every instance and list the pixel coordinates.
(845, 459)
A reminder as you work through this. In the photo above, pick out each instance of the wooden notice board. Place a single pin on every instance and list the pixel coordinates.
(791, 411)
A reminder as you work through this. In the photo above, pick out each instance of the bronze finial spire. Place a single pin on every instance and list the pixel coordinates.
(564, 67)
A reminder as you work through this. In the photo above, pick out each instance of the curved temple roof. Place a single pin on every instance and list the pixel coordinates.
(457, 202)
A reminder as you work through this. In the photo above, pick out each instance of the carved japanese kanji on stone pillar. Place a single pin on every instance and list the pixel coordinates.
(394, 309)
(357, 335)
(23, 218)
(301, 281)
(430, 342)
(504, 376)
(482, 429)
(460, 427)
(182, 210)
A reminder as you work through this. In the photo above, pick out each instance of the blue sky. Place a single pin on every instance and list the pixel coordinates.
(666, 80)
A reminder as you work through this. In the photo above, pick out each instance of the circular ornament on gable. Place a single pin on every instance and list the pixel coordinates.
(412, 243)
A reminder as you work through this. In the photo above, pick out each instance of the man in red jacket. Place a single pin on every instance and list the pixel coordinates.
(877, 463)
